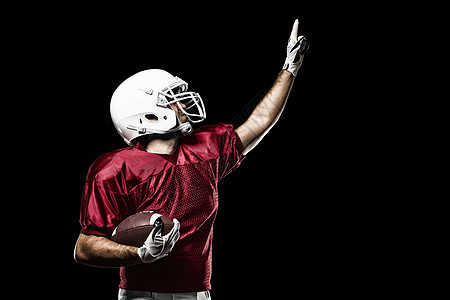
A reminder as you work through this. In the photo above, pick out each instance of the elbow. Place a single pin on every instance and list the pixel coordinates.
(80, 255)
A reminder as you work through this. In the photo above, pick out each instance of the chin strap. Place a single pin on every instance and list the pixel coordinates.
(185, 128)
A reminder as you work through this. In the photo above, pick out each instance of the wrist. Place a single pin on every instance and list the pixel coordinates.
(291, 68)
(287, 73)
(145, 256)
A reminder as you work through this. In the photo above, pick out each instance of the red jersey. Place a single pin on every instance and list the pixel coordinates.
(182, 185)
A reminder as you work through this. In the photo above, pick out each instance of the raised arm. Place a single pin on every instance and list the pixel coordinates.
(268, 111)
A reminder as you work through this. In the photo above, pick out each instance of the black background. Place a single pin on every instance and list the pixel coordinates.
(286, 216)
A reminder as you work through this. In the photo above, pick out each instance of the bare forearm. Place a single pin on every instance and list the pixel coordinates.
(267, 112)
(102, 252)
(272, 105)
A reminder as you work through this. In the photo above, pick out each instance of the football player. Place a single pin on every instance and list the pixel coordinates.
(173, 170)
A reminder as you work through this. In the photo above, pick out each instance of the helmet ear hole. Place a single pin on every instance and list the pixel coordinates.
(152, 117)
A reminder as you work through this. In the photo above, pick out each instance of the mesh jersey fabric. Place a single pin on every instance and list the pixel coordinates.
(182, 185)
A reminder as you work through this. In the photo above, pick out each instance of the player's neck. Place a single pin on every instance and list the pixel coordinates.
(162, 146)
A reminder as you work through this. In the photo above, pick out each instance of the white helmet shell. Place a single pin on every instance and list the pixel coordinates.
(140, 105)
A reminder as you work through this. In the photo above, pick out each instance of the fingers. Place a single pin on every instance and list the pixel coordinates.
(304, 47)
(174, 233)
(172, 237)
(176, 228)
(294, 32)
(172, 242)
(297, 44)
(154, 217)
(157, 246)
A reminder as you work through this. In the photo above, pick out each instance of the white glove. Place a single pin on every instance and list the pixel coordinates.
(156, 245)
(296, 48)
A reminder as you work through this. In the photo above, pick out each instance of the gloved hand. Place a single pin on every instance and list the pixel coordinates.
(156, 245)
(296, 48)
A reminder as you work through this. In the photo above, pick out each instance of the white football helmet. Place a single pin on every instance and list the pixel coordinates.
(140, 105)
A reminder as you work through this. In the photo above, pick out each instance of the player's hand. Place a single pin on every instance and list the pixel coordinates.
(156, 245)
(296, 48)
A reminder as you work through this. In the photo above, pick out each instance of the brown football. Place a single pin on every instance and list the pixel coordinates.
(135, 229)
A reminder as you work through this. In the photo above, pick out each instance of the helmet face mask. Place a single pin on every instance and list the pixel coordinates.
(144, 104)
(176, 92)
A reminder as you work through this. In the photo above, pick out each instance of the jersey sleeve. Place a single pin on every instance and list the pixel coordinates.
(103, 205)
(230, 149)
